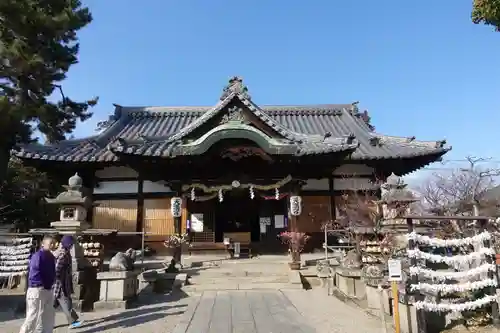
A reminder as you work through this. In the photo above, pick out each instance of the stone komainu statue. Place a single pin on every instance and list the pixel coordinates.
(123, 261)
(351, 260)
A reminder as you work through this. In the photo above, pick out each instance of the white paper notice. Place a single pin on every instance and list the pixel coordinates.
(279, 221)
(395, 270)
(197, 222)
(263, 228)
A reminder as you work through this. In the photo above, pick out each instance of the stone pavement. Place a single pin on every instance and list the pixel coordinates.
(328, 314)
(161, 315)
(256, 311)
(266, 311)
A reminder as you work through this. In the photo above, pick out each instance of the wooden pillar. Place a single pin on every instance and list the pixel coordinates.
(139, 226)
(90, 185)
(177, 188)
(331, 188)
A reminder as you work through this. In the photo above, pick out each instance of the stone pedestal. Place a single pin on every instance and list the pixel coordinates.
(86, 289)
(159, 281)
(118, 289)
(377, 300)
(408, 318)
(349, 282)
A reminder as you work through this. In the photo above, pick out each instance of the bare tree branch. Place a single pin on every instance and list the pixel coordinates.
(457, 191)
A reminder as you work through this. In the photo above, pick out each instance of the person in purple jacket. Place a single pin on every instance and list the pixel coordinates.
(40, 311)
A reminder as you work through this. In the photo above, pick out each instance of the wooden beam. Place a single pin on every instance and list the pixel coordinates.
(332, 199)
(140, 204)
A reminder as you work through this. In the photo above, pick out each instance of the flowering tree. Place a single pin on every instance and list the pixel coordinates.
(295, 241)
(175, 243)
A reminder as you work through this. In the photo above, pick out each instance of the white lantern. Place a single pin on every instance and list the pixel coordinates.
(176, 206)
(295, 205)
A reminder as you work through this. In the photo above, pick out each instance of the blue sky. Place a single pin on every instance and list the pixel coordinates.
(420, 68)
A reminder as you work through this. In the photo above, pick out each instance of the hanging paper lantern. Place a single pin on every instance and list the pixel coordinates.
(252, 194)
(221, 196)
(176, 206)
(193, 194)
(276, 193)
(295, 205)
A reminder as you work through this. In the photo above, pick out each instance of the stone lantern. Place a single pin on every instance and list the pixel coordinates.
(73, 207)
(73, 212)
(395, 203)
(396, 198)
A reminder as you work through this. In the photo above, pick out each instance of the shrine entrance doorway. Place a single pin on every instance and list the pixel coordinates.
(237, 213)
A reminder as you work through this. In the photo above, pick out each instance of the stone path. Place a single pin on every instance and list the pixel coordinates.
(288, 311)
(161, 315)
(264, 311)
(328, 314)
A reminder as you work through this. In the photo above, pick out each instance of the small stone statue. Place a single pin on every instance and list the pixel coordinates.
(323, 268)
(123, 261)
(351, 260)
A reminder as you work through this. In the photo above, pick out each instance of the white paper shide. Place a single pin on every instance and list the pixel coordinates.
(465, 278)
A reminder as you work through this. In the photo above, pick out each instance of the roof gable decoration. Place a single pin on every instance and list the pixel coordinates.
(364, 116)
(235, 123)
(236, 86)
(235, 89)
(234, 115)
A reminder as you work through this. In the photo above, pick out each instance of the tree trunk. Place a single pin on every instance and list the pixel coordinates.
(295, 256)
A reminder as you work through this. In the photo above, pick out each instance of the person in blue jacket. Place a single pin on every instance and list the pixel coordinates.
(40, 311)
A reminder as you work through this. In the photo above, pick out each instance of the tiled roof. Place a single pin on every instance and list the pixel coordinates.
(290, 142)
(313, 128)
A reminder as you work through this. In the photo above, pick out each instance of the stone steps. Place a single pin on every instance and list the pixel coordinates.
(219, 273)
(240, 286)
(228, 278)
(244, 279)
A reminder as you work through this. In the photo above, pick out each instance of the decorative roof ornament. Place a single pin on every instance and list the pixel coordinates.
(362, 115)
(355, 108)
(235, 85)
(235, 115)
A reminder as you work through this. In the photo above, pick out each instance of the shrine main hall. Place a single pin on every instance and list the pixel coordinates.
(234, 165)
